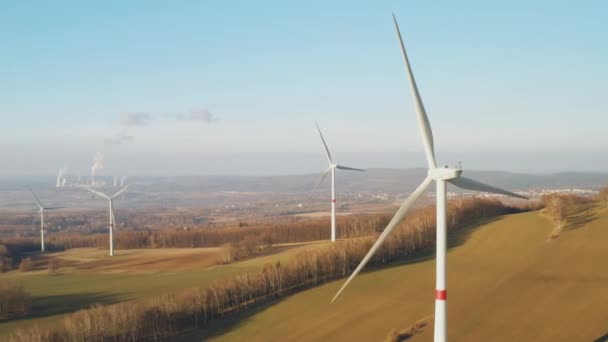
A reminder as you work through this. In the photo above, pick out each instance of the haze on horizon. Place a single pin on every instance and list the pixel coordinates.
(218, 88)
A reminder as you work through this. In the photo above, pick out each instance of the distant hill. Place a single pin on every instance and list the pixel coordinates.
(373, 180)
(387, 180)
(205, 190)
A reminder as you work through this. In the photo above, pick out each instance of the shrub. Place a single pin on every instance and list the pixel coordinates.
(558, 206)
(53, 266)
(26, 265)
(14, 301)
(603, 195)
(5, 259)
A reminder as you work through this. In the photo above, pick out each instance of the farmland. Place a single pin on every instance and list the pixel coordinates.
(90, 276)
(506, 274)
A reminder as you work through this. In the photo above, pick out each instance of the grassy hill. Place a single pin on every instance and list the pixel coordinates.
(506, 282)
(94, 277)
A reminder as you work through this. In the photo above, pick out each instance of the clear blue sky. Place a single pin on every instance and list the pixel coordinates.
(207, 87)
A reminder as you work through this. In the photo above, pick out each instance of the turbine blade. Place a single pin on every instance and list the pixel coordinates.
(120, 191)
(405, 207)
(423, 120)
(36, 198)
(322, 179)
(98, 193)
(342, 167)
(324, 144)
(470, 184)
(53, 208)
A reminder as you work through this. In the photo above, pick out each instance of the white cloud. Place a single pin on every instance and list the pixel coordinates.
(135, 119)
(118, 139)
(202, 115)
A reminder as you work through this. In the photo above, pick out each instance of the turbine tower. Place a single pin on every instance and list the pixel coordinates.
(332, 169)
(441, 176)
(41, 211)
(111, 218)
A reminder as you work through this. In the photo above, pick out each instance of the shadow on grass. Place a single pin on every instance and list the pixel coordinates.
(455, 238)
(602, 339)
(224, 325)
(581, 216)
(233, 321)
(61, 304)
(460, 236)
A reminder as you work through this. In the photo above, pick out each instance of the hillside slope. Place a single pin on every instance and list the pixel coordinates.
(507, 282)
(95, 278)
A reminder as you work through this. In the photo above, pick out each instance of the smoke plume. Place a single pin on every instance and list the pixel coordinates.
(202, 115)
(135, 119)
(60, 178)
(119, 139)
(97, 164)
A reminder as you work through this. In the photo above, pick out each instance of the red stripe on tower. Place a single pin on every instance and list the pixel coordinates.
(333, 200)
(441, 294)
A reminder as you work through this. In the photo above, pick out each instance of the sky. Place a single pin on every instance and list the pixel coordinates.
(229, 87)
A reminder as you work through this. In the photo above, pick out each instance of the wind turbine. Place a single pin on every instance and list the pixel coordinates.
(41, 211)
(332, 169)
(441, 176)
(111, 207)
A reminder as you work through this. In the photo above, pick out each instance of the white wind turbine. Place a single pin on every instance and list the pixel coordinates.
(441, 175)
(112, 218)
(41, 211)
(332, 169)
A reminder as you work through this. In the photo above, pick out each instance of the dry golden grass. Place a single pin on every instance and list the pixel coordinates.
(139, 260)
(89, 276)
(505, 282)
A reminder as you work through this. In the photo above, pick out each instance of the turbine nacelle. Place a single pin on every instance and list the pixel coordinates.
(445, 173)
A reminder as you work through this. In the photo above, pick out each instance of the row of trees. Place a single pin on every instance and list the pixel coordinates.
(90, 221)
(296, 229)
(11, 252)
(171, 314)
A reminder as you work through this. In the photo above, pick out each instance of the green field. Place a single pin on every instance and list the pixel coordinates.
(506, 282)
(93, 277)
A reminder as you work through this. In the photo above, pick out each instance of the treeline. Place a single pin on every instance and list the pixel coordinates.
(6, 260)
(91, 221)
(172, 314)
(296, 229)
(603, 196)
(12, 251)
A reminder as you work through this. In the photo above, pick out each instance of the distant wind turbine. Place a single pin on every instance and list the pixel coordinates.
(112, 217)
(440, 175)
(41, 211)
(332, 169)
